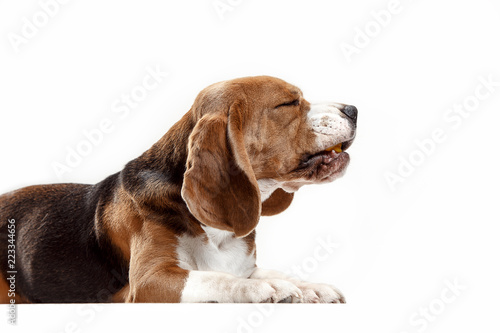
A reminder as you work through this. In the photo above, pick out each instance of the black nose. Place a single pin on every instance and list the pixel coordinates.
(351, 112)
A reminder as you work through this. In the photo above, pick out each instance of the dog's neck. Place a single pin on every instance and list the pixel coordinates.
(267, 186)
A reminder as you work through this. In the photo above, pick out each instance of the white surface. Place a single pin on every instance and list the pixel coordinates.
(392, 253)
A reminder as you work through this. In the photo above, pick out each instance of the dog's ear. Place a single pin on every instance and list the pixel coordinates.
(277, 202)
(219, 185)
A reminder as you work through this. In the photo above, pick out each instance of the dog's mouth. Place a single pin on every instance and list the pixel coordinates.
(330, 153)
(327, 164)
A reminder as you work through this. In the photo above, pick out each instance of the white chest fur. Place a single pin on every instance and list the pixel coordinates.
(218, 250)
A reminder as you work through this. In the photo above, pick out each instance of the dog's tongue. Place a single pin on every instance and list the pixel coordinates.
(337, 148)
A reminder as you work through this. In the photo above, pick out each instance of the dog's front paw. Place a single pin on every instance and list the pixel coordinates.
(268, 291)
(320, 293)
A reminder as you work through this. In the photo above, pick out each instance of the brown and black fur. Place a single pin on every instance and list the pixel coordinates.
(115, 241)
(60, 255)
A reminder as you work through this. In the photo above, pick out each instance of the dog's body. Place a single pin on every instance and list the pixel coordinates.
(177, 224)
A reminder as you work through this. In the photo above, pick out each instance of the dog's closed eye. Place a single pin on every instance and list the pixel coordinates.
(292, 103)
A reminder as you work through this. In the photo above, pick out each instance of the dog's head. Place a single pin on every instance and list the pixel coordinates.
(256, 141)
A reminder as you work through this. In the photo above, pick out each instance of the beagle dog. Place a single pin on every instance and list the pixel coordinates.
(177, 224)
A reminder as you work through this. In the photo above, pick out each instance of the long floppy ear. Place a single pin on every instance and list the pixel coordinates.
(219, 185)
(277, 202)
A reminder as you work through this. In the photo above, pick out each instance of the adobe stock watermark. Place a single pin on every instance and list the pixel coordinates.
(453, 119)
(421, 319)
(323, 250)
(121, 108)
(223, 7)
(11, 270)
(31, 26)
(364, 36)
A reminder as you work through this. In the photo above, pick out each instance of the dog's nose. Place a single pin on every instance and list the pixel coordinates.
(351, 112)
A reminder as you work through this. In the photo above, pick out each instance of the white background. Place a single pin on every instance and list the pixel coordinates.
(396, 249)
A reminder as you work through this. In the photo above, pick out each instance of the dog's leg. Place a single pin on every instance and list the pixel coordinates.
(155, 277)
(178, 285)
(312, 292)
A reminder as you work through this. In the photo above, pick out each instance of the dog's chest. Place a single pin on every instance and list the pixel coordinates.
(218, 250)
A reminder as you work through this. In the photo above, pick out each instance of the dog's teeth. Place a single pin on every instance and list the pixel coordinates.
(337, 148)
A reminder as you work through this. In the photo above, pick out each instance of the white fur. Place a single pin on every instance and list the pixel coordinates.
(221, 270)
(311, 292)
(329, 124)
(224, 288)
(220, 266)
(267, 186)
(218, 250)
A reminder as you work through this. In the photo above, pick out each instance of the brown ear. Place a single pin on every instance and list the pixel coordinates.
(277, 202)
(219, 185)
